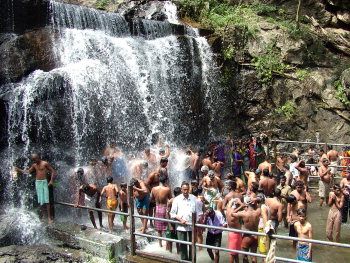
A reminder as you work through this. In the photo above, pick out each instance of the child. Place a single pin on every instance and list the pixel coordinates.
(123, 204)
(304, 230)
(111, 191)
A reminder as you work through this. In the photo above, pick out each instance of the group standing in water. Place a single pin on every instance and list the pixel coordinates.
(232, 185)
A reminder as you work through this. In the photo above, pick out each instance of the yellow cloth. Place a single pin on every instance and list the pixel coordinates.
(112, 204)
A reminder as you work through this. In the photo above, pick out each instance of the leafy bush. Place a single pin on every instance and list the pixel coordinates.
(269, 64)
(102, 4)
(229, 52)
(287, 110)
(302, 74)
(340, 93)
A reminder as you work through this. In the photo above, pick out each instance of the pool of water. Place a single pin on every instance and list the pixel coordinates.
(316, 216)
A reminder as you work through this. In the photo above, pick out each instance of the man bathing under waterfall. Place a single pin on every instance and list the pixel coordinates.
(41, 169)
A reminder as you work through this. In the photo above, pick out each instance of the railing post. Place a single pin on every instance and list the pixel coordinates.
(194, 237)
(132, 221)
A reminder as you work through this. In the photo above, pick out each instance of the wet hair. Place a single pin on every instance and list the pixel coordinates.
(229, 176)
(193, 182)
(266, 172)
(293, 157)
(109, 179)
(299, 183)
(145, 164)
(161, 150)
(163, 178)
(185, 183)
(177, 191)
(232, 185)
(35, 155)
(301, 212)
(164, 160)
(85, 187)
(260, 198)
(123, 184)
(134, 181)
(104, 159)
(255, 187)
(283, 177)
(336, 186)
(80, 171)
(277, 192)
(291, 199)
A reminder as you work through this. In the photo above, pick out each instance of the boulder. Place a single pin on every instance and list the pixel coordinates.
(21, 15)
(344, 16)
(23, 54)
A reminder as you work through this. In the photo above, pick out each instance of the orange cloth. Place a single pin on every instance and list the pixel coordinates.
(112, 204)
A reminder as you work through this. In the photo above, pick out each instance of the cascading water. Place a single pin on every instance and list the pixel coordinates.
(110, 85)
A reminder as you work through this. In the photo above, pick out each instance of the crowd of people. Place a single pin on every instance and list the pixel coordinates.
(231, 184)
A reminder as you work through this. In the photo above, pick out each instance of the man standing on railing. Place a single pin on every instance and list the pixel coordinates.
(161, 195)
(182, 208)
(214, 236)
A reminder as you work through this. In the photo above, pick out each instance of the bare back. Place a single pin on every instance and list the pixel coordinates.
(161, 194)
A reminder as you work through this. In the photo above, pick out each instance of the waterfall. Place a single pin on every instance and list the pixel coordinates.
(115, 81)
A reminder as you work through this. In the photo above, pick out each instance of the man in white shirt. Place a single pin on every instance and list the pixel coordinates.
(182, 208)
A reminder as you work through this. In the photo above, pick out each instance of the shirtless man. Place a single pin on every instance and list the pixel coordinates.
(325, 180)
(232, 185)
(304, 230)
(281, 166)
(41, 169)
(234, 238)
(142, 198)
(139, 169)
(265, 165)
(89, 195)
(250, 218)
(161, 194)
(268, 184)
(111, 191)
(123, 203)
(217, 166)
(251, 177)
(207, 161)
(292, 216)
(333, 158)
(275, 207)
(345, 186)
(285, 192)
(196, 164)
(303, 197)
(336, 202)
(240, 184)
(212, 187)
(164, 153)
(304, 172)
(151, 159)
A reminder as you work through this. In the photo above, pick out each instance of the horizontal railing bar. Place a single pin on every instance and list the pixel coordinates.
(315, 176)
(160, 219)
(92, 208)
(163, 238)
(248, 253)
(232, 250)
(153, 256)
(315, 143)
(275, 236)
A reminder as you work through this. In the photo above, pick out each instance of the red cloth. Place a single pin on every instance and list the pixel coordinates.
(160, 213)
(234, 242)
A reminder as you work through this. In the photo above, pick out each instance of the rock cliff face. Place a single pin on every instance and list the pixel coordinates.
(285, 81)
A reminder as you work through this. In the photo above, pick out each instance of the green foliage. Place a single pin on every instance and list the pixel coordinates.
(287, 110)
(302, 74)
(102, 4)
(229, 52)
(340, 93)
(269, 64)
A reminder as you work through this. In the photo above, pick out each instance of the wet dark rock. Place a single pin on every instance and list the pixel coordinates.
(23, 54)
(19, 16)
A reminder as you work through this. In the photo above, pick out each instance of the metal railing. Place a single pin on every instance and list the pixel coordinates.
(194, 225)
